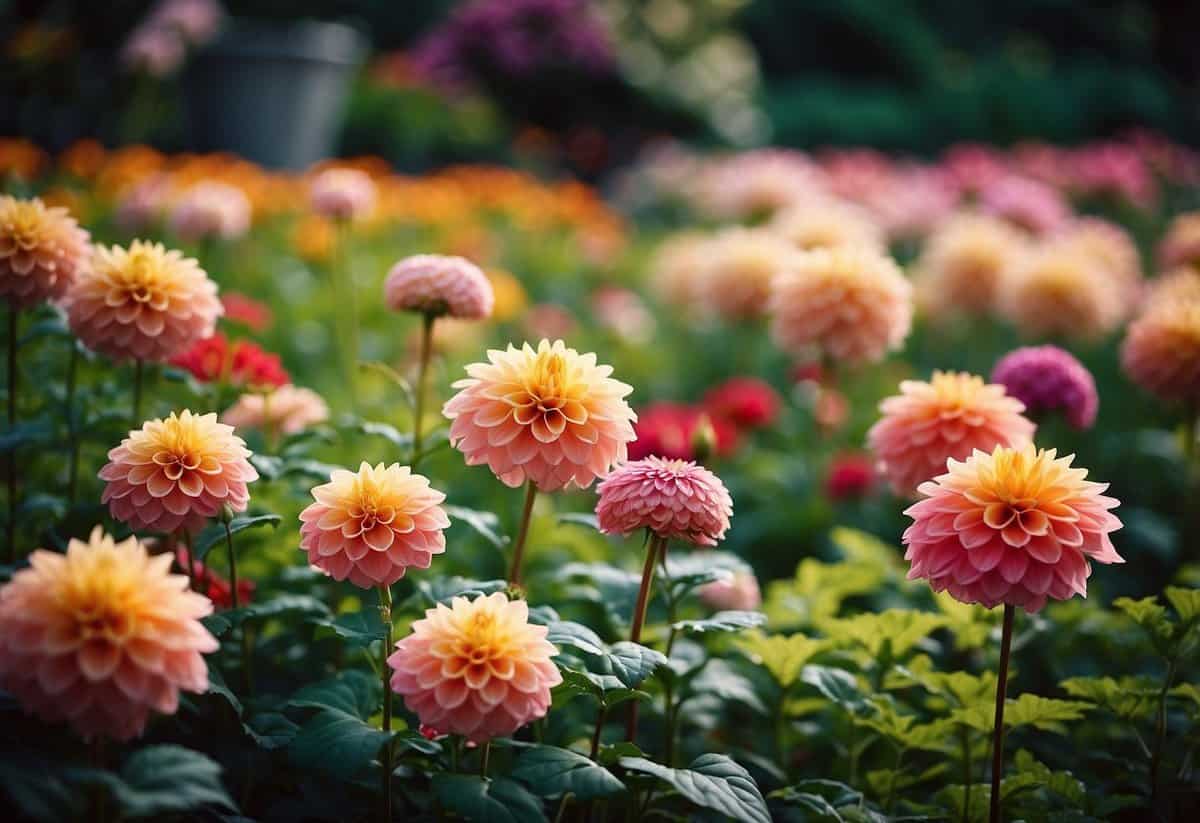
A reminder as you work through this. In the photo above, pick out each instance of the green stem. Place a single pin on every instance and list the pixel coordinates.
(670, 712)
(998, 726)
(347, 313)
(11, 461)
(483, 759)
(601, 712)
(233, 576)
(965, 737)
(137, 394)
(891, 792)
(419, 390)
(191, 558)
(639, 619)
(385, 614)
(1160, 735)
(72, 434)
(514, 574)
(562, 807)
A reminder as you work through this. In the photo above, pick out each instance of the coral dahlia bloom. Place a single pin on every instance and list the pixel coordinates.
(342, 194)
(740, 264)
(242, 363)
(738, 591)
(1016, 526)
(965, 260)
(287, 410)
(853, 305)
(42, 251)
(1161, 352)
(439, 285)
(673, 430)
(101, 636)
(550, 415)
(1045, 378)
(673, 498)
(1063, 291)
(477, 668)
(142, 303)
(951, 416)
(176, 473)
(210, 209)
(371, 525)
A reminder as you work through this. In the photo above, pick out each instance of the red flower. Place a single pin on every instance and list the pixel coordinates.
(240, 363)
(250, 313)
(747, 402)
(211, 584)
(669, 430)
(850, 476)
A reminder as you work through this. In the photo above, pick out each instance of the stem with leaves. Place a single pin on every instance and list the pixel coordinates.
(514, 573)
(385, 615)
(191, 558)
(601, 713)
(11, 460)
(656, 544)
(998, 727)
(965, 740)
(427, 320)
(1160, 734)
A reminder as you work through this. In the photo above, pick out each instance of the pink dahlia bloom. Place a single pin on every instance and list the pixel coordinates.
(42, 250)
(672, 498)
(1046, 378)
(951, 416)
(210, 209)
(679, 431)
(144, 203)
(342, 194)
(1016, 526)
(1029, 204)
(739, 591)
(286, 410)
(740, 264)
(439, 285)
(176, 473)
(551, 415)
(370, 526)
(142, 303)
(477, 668)
(101, 636)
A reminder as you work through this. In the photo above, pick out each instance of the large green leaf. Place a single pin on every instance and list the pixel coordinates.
(577, 636)
(337, 743)
(487, 801)
(782, 655)
(722, 680)
(726, 621)
(215, 533)
(837, 685)
(165, 779)
(550, 771)
(352, 692)
(712, 781)
(632, 663)
(485, 524)
(358, 628)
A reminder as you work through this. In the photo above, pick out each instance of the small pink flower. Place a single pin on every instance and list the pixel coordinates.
(210, 209)
(673, 498)
(439, 285)
(739, 591)
(1046, 378)
(286, 410)
(1029, 204)
(342, 194)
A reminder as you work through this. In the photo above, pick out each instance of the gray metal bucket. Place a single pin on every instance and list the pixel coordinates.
(273, 93)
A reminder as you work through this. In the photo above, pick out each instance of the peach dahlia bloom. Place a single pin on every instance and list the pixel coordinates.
(101, 636)
(42, 250)
(1014, 526)
(965, 260)
(371, 525)
(477, 668)
(850, 304)
(1063, 291)
(672, 498)
(439, 285)
(676, 266)
(1180, 246)
(142, 303)
(829, 224)
(551, 415)
(287, 410)
(1111, 248)
(176, 473)
(739, 265)
(1161, 352)
(1180, 285)
(951, 416)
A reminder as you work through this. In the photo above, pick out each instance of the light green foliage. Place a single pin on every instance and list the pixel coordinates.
(782, 655)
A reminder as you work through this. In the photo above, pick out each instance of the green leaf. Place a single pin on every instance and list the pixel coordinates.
(360, 628)
(284, 604)
(486, 801)
(40, 505)
(712, 781)
(577, 636)
(1151, 616)
(551, 771)
(336, 743)
(387, 431)
(782, 655)
(726, 621)
(902, 628)
(1185, 601)
(485, 524)
(837, 685)
(721, 680)
(215, 533)
(1045, 713)
(271, 730)
(1129, 698)
(352, 692)
(165, 779)
(632, 663)
(585, 519)
(690, 570)
(23, 435)
(431, 591)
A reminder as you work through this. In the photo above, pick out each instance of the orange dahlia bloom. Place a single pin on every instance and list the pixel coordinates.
(370, 526)
(550, 415)
(1161, 352)
(1062, 291)
(1014, 526)
(176, 473)
(739, 265)
(951, 416)
(853, 305)
(101, 636)
(477, 668)
(42, 251)
(142, 303)
(965, 261)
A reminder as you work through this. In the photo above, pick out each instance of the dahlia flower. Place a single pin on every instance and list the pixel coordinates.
(1029, 204)
(738, 591)
(176, 473)
(370, 526)
(672, 430)
(739, 266)
(101, 636)
(550, 415)
(964, 262)
(42, 251)
(143, 204)
(210, 209)
(622, 312)
(142, 303)
(829, 224)
(676, 267)
(1045, 378)
(285, 410)
(672, 498)
(756, 182)
(1110, 247)
(1161, 352)
(438, 285)
(342, 194)
(253, 314)
(852, 305)
(951, 416)
(1060, 290)
(747, 402)
(850, 476)
(243, 363)
(1180, 246)
(1014, 526)
(1180, 285)
(477, 668)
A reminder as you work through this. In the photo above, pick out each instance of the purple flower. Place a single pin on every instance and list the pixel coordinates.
(1045, 378)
